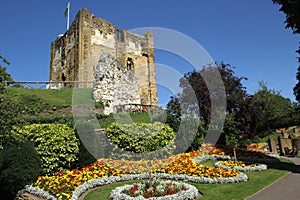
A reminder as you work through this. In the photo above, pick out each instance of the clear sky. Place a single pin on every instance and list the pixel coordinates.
(248, 35)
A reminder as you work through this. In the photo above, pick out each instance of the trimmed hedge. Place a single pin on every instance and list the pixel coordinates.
(19, 166)
(56, 144)
(141, 137)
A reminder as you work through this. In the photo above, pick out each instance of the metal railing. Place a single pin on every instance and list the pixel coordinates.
(136, 108)
(51, 84)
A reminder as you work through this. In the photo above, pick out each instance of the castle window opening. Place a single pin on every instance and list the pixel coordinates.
(130, 64)
(63, 78)
(120, 35)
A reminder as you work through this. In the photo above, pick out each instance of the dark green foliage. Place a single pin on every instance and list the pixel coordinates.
(292, 10)
(231, 131)
(238, 101)
(84, 157)
(19, 166)
(32, 104)
(47, 119)
(274, 107)
(5, 77)
(173, 113)
(137, 117)
(93, 148)
(8, 116)
(297, 86)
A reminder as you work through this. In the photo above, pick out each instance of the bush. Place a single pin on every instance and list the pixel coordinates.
(56, 144)
(9, 110)
(32, 104)
(47, 119)
(19, 166)
(86, 134)
(141, 137)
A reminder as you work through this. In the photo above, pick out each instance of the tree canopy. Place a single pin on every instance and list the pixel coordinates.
(239, 105)
(274, 106)
(291, 8)
(4, 75)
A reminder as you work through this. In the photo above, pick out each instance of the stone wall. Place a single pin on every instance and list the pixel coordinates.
(114, 84)
(75, 54)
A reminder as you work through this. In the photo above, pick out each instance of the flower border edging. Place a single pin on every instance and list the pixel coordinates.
(113, 179)
(259, 167)
(220, 157)
(38, 192)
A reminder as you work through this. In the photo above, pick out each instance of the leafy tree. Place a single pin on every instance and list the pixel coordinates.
(274, 106)
(232, 132)
(292, 10)
(239, 104)
(4, 75)
(173, 113)
(9, 109)
(234, 90)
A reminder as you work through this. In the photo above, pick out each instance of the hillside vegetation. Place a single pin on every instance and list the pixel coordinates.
(49, 106)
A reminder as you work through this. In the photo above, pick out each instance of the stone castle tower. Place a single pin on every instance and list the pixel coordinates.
(75, 55)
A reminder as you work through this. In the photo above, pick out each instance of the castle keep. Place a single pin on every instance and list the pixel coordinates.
(75, 57)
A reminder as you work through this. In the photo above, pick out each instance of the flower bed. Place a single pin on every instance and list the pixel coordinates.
(241, 166)
(63, 185)
(114, 179)
(266, 159)
(200, 159)
(160, 190)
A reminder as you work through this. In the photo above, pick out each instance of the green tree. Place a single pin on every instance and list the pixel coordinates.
(238, 100)
(4, 75)
(173, 113)
(232, 133)
(9, 109)
(274, 106)
(292, 10)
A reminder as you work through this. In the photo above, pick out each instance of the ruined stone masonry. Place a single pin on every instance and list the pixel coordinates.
(75, 56)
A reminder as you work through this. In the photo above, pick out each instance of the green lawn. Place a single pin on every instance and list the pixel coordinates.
(232, 191)
(51, 97)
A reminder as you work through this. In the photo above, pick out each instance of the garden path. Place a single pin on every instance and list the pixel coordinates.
(286, 188)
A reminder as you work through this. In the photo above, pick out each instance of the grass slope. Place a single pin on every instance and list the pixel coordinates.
(51, 97)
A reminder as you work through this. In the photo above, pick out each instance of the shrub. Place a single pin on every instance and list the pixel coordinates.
(9, 110)
(141, 137)
(90, 147)
(19, 166)
(56, 144)
(32, 104)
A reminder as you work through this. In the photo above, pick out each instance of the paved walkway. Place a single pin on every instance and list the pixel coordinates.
(286, 188)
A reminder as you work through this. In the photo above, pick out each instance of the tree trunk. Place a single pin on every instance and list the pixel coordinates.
(234, 154)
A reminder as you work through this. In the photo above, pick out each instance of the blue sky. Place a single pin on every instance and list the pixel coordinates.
(248, 35)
